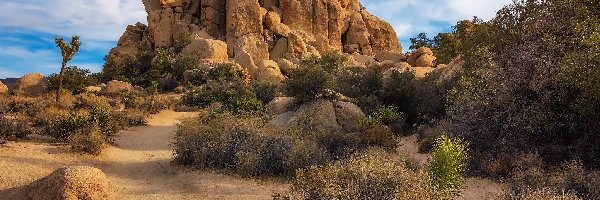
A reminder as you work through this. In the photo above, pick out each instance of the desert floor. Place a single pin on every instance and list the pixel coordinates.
(139, 167)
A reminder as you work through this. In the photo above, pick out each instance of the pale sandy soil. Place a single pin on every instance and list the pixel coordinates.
(138, 168)
(476, 188)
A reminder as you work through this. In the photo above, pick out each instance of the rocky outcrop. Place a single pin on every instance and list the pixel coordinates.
(318, 114)
(32, 84)
(256, 30)
(3, 88)
(115, 87)
(69, 183)
(422, 57)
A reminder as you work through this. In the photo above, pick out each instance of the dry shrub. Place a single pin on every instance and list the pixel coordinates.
(13, 129)
(538, 194)
(375, 174)
(245, 145)
(89, 140)
(530, 174)
(89, 100)
(130, 117)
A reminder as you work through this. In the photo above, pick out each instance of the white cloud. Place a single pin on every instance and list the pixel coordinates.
(411, 17)
(93, 20)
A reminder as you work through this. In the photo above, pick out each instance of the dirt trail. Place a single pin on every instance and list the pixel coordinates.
(476, 188)
(138, 168)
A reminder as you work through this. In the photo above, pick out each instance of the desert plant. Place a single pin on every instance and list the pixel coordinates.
(66, 125)
(315, 77)
(448, 164)
(372, 175)
(67, 51)
(89, 140)
(75, 80)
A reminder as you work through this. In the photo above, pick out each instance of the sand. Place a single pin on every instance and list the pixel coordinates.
(139, 167)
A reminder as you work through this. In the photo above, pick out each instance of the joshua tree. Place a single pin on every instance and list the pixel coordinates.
(67, 51)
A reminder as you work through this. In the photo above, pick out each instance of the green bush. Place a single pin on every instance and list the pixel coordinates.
(372, 175)
(314, 78)
(266, 91)
(65, 126)
(448, 164)
(75, 80)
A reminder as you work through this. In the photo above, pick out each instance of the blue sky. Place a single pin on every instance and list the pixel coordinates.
(28, 27)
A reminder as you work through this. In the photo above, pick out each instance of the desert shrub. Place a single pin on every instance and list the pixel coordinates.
(130, 117)
(528, 83)
(378, 135)
(89, 140)
(243, 145)
(228, 85)
(533, 194)
(530, 173)
(314, 78)
(88, 101)
(13, 128)
(363, 85)
(101, 117)
(66, 125)
(372, 175)
(75, 80)
(150, 103)
(266, 91)
(234, 98)
(427, 134)
(449, 162)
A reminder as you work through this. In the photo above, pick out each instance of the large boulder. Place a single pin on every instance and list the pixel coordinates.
(32, 84)
(348, 114)
(207, 51)
(318, 114)
(243, 18)
(281, 105)
(426, 61)
(115, 87)
(3, 88)
(69, 183)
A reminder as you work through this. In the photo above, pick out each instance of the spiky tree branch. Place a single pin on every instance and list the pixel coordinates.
(67, 52)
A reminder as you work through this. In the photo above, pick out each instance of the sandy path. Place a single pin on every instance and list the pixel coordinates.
(138, 168)
(476, 188)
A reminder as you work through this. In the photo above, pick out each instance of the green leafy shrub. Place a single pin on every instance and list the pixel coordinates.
(266, 91)
(75, 80)
(228, 86)
(372, 175)
(66, 125)
(448, 165)
(315, 77)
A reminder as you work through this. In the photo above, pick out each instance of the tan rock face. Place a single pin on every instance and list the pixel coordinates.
(71, 183)
(207, 51)
(115, 87)
(32, 84)
(3, 88)
(260, 27)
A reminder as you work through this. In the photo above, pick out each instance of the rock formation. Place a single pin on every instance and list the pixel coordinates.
(32, 84)
(3, 88)
(69, 183)
(252, 31)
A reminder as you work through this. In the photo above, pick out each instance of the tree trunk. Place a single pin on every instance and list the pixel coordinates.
(60, 81)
